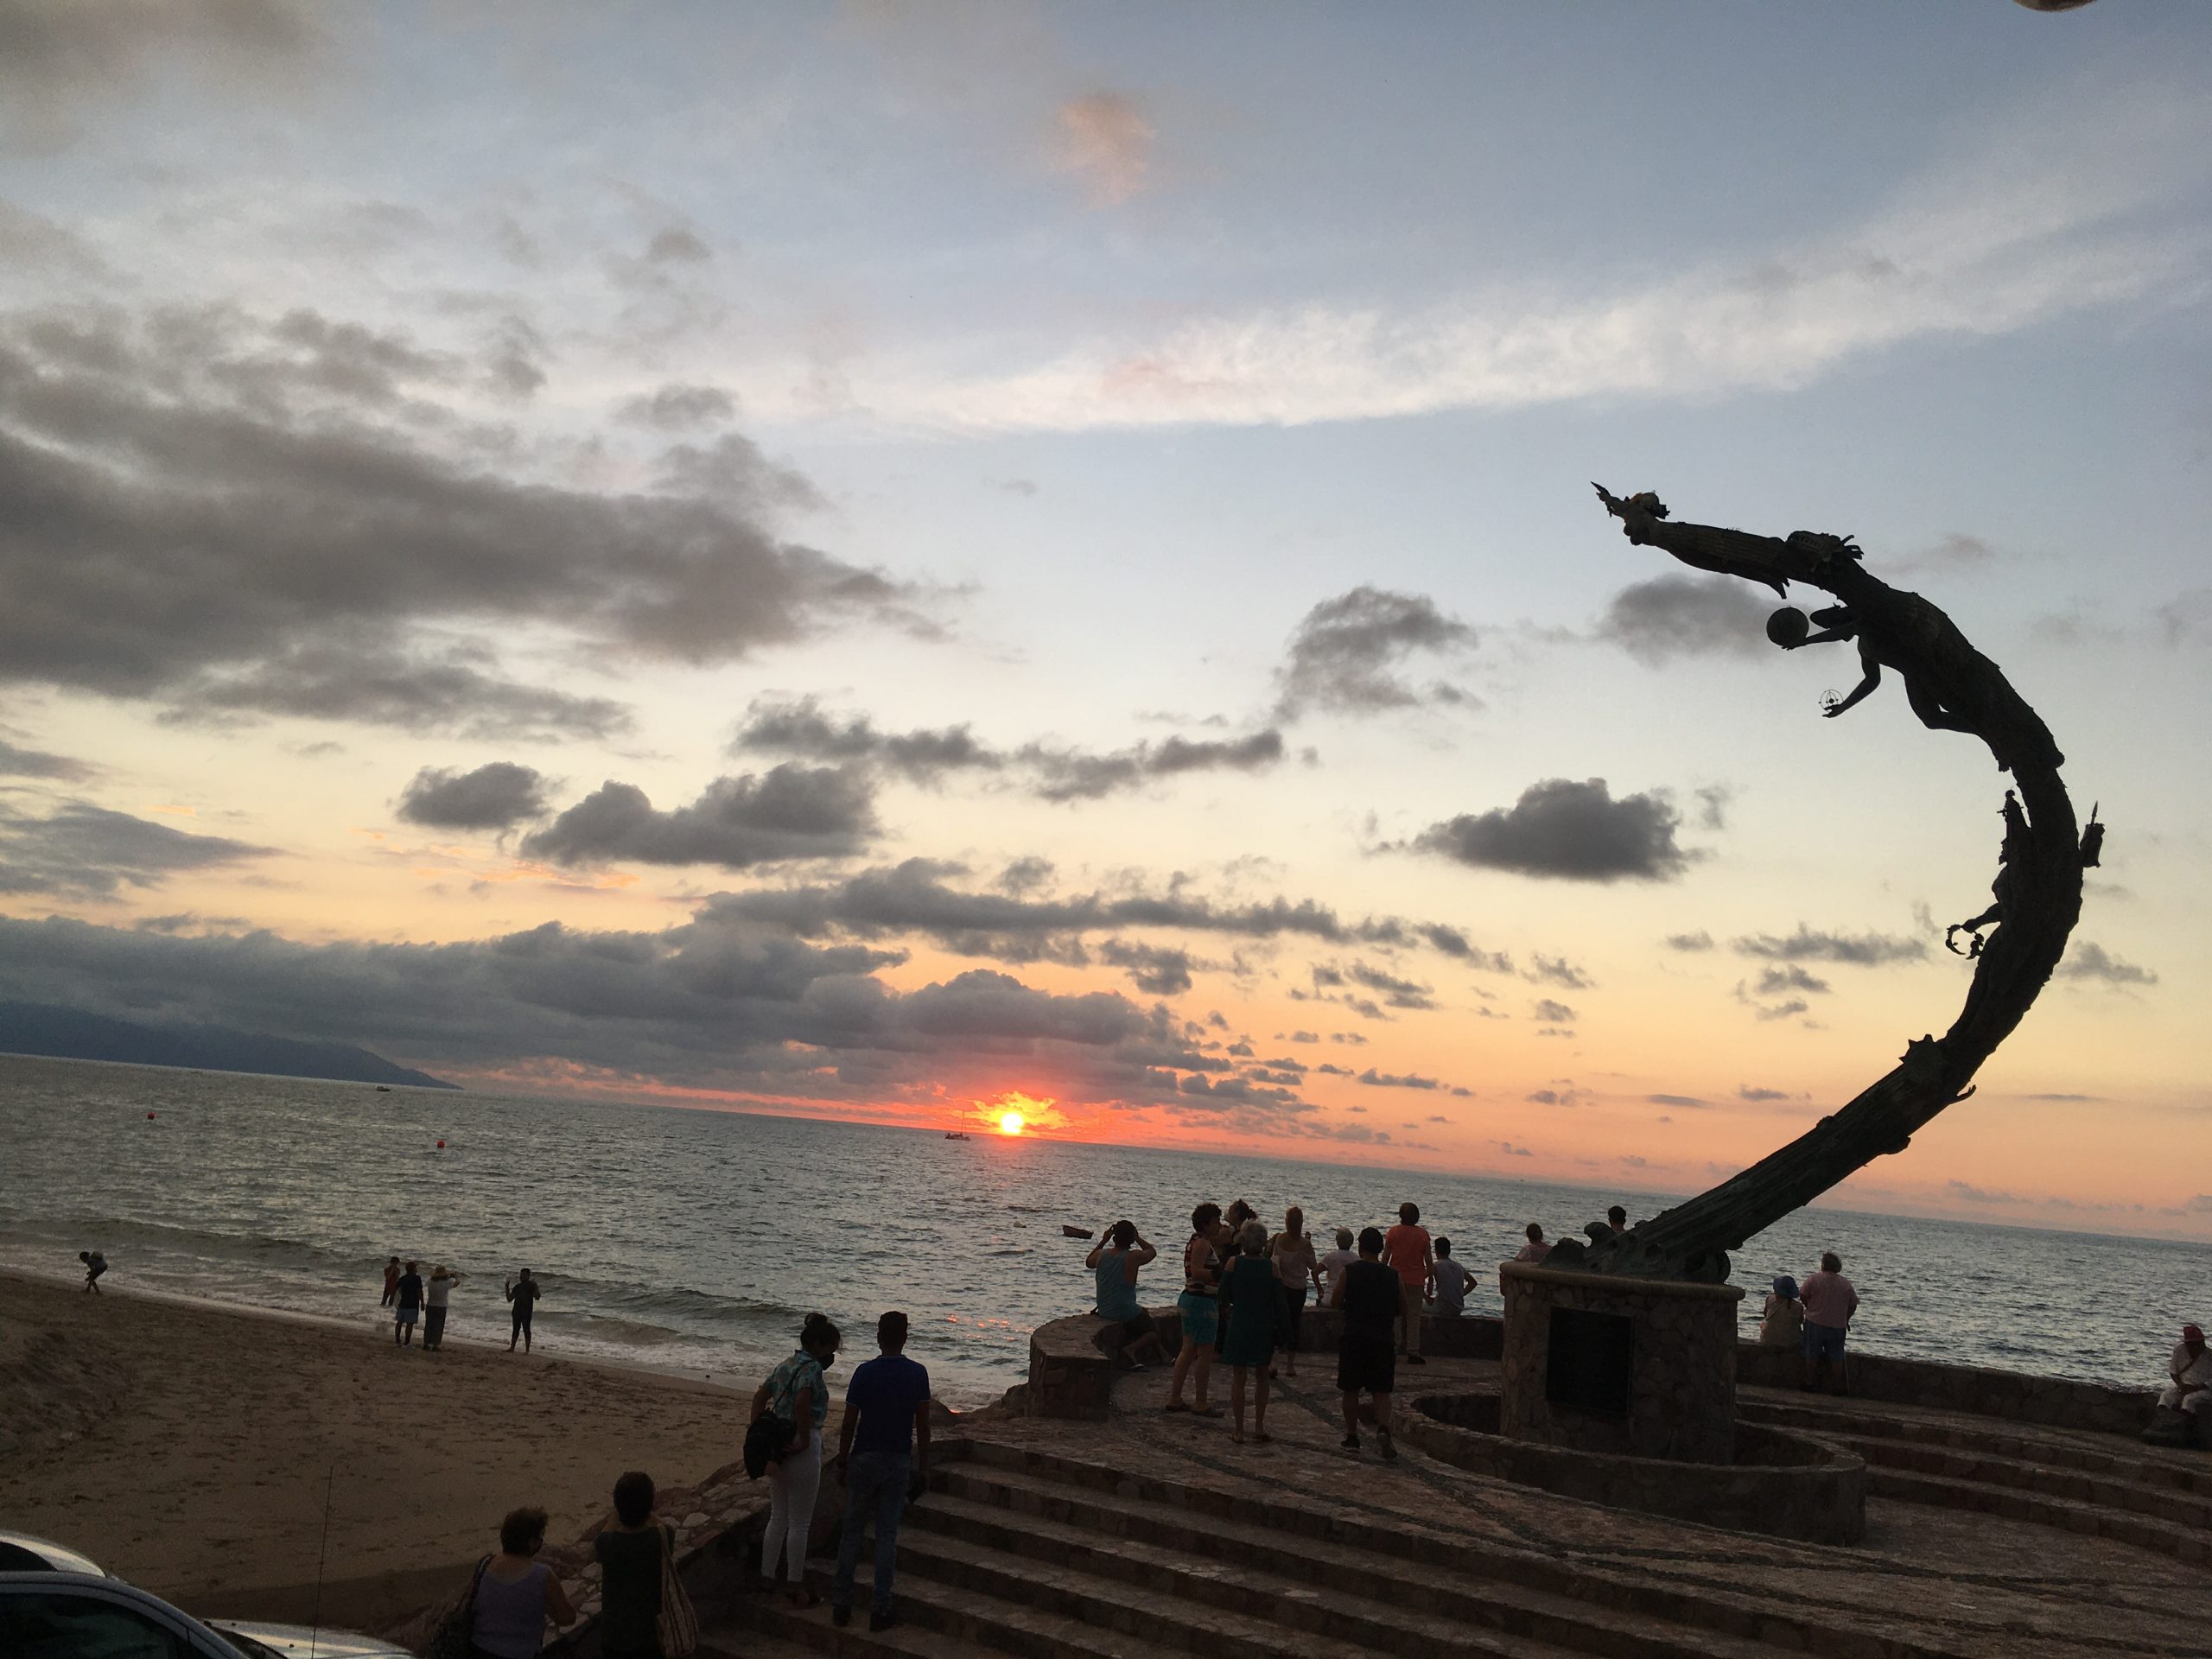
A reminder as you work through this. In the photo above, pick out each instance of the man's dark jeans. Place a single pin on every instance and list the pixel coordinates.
(876, 1487)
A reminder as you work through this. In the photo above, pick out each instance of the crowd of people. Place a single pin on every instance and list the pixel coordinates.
(413, 1298)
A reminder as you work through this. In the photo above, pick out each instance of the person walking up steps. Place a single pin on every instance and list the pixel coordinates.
(408, 1308)
(524, 1293)
(1369, 1294)
(1407, 1246)
(883, 1455)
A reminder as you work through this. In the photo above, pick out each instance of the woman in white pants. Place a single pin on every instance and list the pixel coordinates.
(798, 1392)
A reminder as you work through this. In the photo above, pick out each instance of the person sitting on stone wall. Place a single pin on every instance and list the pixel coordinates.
(1536, 1248)
(1782, 1321)
(2190, 1390)
(1114, 1262)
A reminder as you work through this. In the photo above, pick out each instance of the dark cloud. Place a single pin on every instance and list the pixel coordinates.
(1552, 1097)
(1375, 1079)
(83, 851)
(1969, 1194)
(496, 796)
(59, 57)
(1774, 982)
(789, 812)
(1748, 1091)
(711, 1003)
(2085, 960)
(1854, 949)
(676, 406)
(1074, 775)
(1569, 831)
(1957, 552)
(1712, 803)
(1551, 1012)
(1666, 617)
(1785, 1010)
(1397, 992)
(1557, 970)
(1677, 1100)
(515, 359)
(224, 515)
(1154, 969)
(676, 245)
(15, 761)
(1699, 940)
(1453, 943)
(1346, 654)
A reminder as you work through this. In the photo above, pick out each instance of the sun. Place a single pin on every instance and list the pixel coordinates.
(1010, 1123)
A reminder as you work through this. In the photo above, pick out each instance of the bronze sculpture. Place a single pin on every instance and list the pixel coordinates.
(1952, 687)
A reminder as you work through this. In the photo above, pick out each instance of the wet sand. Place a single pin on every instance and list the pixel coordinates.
(191, 1448)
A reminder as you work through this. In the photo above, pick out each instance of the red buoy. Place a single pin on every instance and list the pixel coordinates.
(149, 1118)
(441, 1146)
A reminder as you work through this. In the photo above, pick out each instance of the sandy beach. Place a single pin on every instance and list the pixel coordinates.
(189, 1448)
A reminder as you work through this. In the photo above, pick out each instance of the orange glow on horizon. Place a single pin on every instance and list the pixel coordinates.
(1010, 1123)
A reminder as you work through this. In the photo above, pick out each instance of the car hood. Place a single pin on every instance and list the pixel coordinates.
(302, 1640)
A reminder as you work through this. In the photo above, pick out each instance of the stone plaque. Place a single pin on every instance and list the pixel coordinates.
(1589, 1361)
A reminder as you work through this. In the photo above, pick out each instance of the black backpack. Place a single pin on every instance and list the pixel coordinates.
(770, 1436)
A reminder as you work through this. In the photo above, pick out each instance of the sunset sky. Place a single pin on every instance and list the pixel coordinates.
(864, 560)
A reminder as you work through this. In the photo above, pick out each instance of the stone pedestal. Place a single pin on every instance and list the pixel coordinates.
(1640, 1367)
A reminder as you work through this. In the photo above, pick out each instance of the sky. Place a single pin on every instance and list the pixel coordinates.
(881, 561)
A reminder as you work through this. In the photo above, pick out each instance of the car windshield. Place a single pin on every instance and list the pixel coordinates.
(248, 1647)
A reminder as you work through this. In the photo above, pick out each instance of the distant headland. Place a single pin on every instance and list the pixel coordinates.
(72, 1034)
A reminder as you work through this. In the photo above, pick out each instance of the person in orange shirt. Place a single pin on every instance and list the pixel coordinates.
(1406, 1248)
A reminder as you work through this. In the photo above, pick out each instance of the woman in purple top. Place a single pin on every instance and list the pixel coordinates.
(515, 1593)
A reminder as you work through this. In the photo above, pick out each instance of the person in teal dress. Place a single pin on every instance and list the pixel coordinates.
(1252, 1316)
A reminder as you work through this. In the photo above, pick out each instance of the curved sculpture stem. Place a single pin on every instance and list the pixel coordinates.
(1954, 687)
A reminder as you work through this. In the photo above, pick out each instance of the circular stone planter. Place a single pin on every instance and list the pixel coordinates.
(1787, 1484)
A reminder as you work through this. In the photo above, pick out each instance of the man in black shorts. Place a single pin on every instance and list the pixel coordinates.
(1367, 1359)
(523, 1294)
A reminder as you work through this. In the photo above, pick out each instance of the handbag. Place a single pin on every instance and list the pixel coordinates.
(678, 1624)
(770, 1434)
(455, 1636)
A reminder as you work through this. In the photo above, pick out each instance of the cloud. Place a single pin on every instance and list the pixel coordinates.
(1664, 618)
(1551, 1012)
(58, 58)
(2085, 960)
(1346, 652)
(1677, 1100)
(789, 812)
(1375, 1079)
(1557, 970)
(2024, 229)
(15, 761)
(1868, 950)
(676, 245)
(800, 727)
(83, 851)
(1749, 1092)
(1699, 940)
(1154, 969)
(1554, 1097)
(1955, 552)
(497, 796)
(1512, 1151)
(1785, 1010)
(1971, 1194)
(1105, 140)
(1398, 993)
(154, 471)
(1564, 830)
(677, 407)
(1773, 982)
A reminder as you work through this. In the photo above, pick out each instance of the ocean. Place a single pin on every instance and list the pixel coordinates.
(695, 1241)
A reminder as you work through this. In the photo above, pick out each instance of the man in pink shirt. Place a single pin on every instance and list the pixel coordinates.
(1406, 1248)
(1830, 1301)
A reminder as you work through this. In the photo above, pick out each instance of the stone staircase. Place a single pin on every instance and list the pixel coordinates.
(2153, 1498)
(1025, 1552)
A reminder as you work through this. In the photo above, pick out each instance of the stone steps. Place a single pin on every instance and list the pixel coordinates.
(2071, 1485)
(2177, 1472)
(1349, 1592)
(2183, 1540)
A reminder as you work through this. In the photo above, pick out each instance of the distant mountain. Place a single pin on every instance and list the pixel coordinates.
(69, 1034)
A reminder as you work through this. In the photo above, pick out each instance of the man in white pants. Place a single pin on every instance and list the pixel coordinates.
(2192, 1389)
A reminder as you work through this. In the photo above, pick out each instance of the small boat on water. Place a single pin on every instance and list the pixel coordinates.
(956, 1134)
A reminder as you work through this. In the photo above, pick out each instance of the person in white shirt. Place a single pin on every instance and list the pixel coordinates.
(1535, 1249)
(1332, 1266)
(2191, 1370)
(1448, 1282)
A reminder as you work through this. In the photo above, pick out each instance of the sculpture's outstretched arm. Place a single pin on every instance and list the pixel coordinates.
(1859, 693)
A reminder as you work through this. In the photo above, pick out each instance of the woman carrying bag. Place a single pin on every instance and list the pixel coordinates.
(644, 1613)
(797, 1393)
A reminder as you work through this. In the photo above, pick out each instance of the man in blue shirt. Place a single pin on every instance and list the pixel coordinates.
(885, 1441)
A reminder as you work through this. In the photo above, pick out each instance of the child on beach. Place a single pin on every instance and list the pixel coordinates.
(391, 1282)
(95, 1265)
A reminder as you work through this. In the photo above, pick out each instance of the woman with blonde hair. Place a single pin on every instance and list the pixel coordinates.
(1252, 1320)
(1299, 1270)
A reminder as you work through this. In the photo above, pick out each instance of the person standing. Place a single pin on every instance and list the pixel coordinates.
(630, 1554)
(517, 1593)
(437, 1296)
(2191, 1369)
(883, 1451)
(1332, 1266)
(1252, 1313)
(1536, 1248)
(1369, 1294)
(1407, 1246)
(1448, 1282)
(1114, 1262)
(1292, 1252)
(407, 1307)
(391, 1282)
(95, 1265)
(1830, 1300)
(1202, 1268)
(523, 1293)
(798, 1391)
